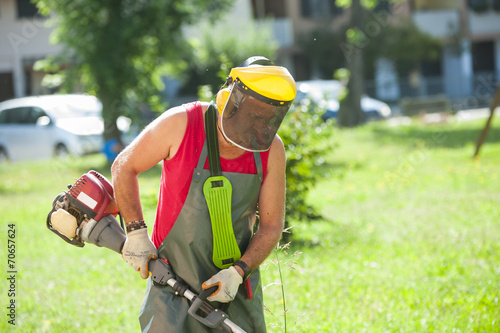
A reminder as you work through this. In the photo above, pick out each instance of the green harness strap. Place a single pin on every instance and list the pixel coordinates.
(218, 191)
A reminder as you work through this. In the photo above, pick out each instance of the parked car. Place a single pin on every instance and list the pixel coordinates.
(326, 93)
(40, 127)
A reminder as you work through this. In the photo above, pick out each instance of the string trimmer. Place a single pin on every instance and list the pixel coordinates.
(87, 212)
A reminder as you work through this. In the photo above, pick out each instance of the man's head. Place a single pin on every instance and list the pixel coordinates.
(254, 103)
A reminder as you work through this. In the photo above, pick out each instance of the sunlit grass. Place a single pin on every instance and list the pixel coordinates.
(411, 239)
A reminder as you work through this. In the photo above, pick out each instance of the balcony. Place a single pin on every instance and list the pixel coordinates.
(438, 23)
(484, 22)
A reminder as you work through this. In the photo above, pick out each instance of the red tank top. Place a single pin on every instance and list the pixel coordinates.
(177, 172)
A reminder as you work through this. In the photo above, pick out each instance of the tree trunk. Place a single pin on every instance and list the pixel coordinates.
(350, 112)
(109, 70)
(109, 73)
(110, 113)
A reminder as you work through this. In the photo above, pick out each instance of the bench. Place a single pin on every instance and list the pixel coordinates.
(414, 106)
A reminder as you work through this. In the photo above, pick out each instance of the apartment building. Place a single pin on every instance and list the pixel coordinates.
(467, 72)
(470, 62)
(24, 39)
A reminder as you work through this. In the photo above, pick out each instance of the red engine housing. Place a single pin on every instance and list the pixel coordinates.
(93, 194)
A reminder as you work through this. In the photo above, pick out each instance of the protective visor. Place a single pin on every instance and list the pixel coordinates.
(250, 120)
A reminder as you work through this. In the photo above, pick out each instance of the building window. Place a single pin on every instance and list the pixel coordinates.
(496, 5)
(6, 86)
(431, 68)
(320, 8)
(483, 57)
(26, 9)
(382, 5)
(265, 8)
(479, 6)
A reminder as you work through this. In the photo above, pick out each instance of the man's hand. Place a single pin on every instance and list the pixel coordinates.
(138, 250)
(228, 280)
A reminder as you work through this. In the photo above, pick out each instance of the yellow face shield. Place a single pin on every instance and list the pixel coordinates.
(250, 120)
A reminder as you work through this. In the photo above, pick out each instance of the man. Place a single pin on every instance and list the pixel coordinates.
(252, 159)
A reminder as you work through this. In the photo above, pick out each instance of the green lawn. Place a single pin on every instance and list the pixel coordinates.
(410, 242)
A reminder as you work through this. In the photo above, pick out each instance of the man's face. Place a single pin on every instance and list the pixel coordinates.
(249, 123)
(258, 116)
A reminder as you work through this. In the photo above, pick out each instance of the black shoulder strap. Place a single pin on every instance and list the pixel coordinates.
(212, 142)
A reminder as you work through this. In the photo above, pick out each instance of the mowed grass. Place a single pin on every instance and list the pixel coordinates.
(410, 242)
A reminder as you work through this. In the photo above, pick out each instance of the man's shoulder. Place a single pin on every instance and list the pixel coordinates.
(277, 146)
(184, 109)
(176, 113)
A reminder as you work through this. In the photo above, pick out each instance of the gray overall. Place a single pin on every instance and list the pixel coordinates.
(188, 248)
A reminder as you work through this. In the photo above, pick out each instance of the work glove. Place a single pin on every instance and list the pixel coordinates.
(138, 250)
(228, 280)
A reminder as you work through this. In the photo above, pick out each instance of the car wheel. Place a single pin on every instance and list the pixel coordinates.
(3, 156)
(60, 151)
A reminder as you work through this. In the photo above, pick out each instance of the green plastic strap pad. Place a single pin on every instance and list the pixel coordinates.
(218, 191)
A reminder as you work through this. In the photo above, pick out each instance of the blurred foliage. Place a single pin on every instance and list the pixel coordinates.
(212, 56)
(307, 139)
(119, 50)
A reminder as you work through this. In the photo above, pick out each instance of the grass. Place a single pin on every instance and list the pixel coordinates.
(410, 242)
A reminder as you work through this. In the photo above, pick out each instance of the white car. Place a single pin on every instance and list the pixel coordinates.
(326, 93)
(40, 127)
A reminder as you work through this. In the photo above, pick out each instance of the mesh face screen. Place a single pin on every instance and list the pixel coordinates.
(251, 123)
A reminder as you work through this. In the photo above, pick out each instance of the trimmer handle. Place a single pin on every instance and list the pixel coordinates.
(214, 318)
(207, 292)
(162, 274)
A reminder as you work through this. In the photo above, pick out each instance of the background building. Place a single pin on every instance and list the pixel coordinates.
(24, 39)
(467, 72)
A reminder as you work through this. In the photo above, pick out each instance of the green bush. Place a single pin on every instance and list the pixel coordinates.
(307, 139)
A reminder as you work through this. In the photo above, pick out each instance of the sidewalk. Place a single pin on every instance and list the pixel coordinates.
(435, 118)
(471, 114)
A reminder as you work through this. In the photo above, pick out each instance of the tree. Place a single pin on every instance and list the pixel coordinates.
(350, 112)
(358, 36)
(218, 50)
(370, 35)
(120, 49)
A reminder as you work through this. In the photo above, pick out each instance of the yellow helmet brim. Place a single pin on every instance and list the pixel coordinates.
(274, 82)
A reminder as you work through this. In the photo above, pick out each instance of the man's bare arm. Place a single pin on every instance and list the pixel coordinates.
(159, 140)
(271, 209)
